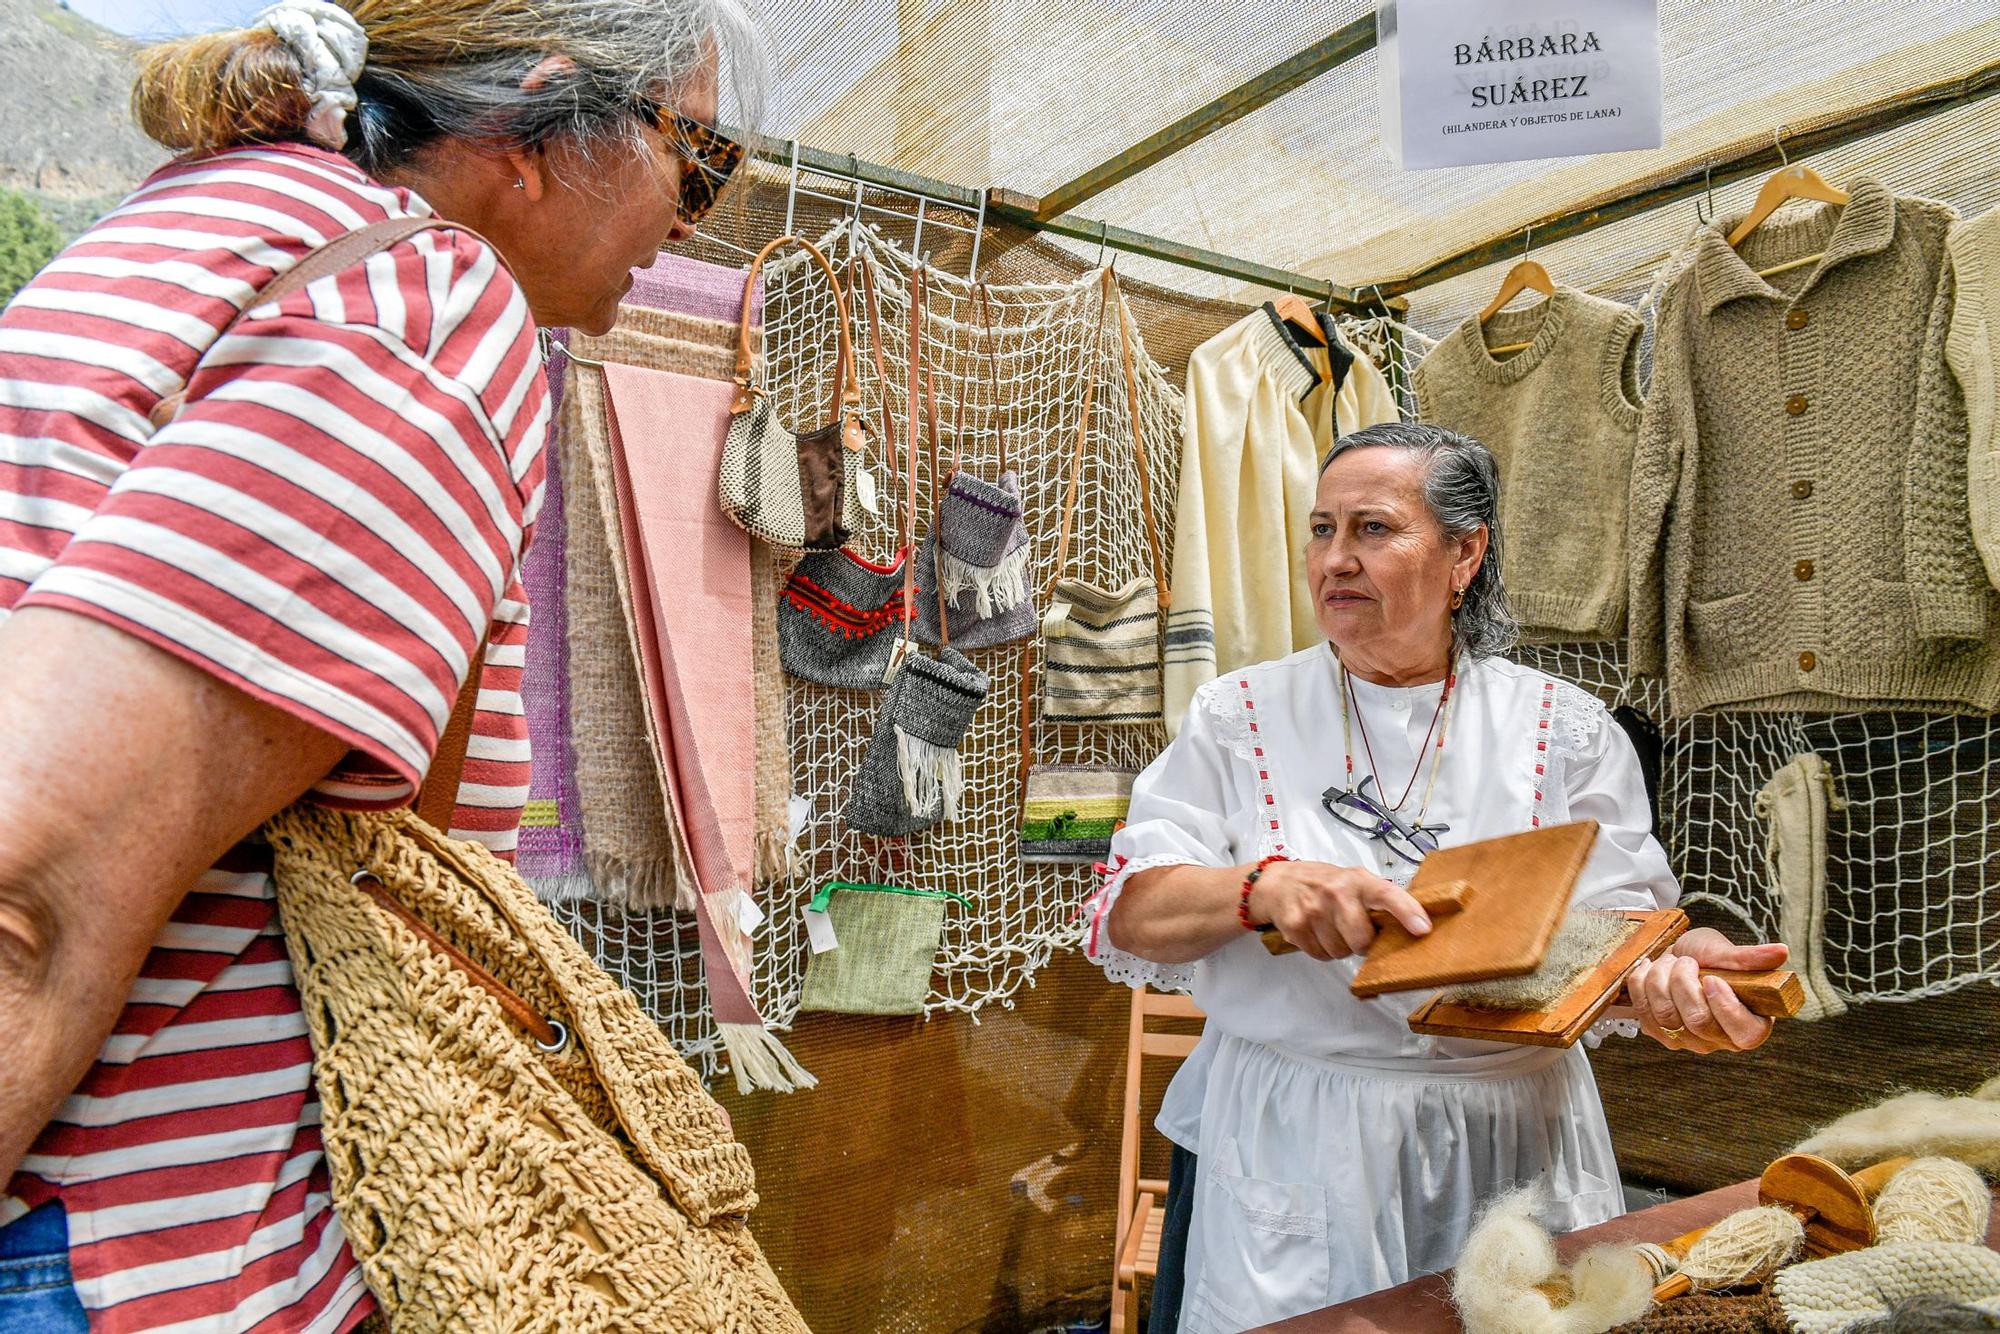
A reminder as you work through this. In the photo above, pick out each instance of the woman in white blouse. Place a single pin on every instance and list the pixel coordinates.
(1328, 1150)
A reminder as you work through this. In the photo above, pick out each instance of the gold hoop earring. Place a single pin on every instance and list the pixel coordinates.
(1457, 598)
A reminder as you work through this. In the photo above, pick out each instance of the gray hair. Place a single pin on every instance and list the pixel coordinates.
(414, 92)
(1462, 492)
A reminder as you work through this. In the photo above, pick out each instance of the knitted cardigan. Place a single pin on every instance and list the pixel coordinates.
(1972, 349)
(1565, 454)
(1800, 536)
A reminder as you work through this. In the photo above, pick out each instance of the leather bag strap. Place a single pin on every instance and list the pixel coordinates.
(983, 298)
(1082, 435)
(438, 797)
(336, 256)
(911, 407)
(846, 393)
(865, 265)
(1125, 322)
(940, 483)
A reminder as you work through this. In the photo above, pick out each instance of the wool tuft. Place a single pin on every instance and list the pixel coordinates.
(1508, 1280)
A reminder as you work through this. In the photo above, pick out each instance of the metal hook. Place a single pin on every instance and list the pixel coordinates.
(1528, 246)
(917, 241)
(978, 235)
(1777, 132)
(1103, 239)
(1708, 188)
(792, 191)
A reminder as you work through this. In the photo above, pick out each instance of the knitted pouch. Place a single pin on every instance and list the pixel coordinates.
(1070, 811)
(838, 619)
(976, 556)
(1101, 655)
(884, 944)
(512, 1141)
(794, 490)
(911, 777)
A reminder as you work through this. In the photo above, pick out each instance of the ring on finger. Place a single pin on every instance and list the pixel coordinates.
(1675, 1033)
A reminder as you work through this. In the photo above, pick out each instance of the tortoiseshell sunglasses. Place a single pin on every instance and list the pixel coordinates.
(708, 156)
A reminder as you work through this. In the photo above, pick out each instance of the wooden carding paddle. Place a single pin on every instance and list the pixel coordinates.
(1521, 886)
(1776, 994)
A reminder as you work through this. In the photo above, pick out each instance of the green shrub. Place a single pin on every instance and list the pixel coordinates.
(28, 240)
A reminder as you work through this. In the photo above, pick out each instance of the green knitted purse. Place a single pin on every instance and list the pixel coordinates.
(884, 942)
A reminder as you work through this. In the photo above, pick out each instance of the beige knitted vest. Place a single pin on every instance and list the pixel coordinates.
(1561, 417)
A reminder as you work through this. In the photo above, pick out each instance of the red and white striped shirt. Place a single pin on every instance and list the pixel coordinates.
(330, 524)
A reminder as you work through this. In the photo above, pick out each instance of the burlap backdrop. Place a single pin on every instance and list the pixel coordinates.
(915, 1192)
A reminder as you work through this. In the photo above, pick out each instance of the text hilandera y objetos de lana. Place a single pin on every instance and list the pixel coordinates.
(1568, 81)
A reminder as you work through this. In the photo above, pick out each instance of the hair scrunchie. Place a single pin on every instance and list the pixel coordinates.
(330, 46)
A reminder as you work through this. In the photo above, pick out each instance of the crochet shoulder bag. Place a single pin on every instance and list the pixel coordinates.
(513, 1144)
(1101, 664)
(797, 490)
(839, 613)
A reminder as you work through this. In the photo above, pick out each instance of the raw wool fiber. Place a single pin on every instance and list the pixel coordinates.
(1497, 1283)
(1746, 1247)
(1933, 1199)
(1966, 1128)
(1832, 1295)
(1584, 940)
(484, 1185)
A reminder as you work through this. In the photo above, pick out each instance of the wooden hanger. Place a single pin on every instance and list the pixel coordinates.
(1787, 183)
(1293, 310)
(1528, 275)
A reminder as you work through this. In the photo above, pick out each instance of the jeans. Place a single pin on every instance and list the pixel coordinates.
(36, 1292)
(1163, 1314)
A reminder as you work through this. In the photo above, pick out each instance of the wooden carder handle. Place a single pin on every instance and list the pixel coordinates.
(1439, 900)
(1774, 994)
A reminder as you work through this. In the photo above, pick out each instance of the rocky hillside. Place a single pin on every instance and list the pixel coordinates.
(66, 133)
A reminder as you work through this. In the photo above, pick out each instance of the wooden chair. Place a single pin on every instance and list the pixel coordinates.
(1142, 1203)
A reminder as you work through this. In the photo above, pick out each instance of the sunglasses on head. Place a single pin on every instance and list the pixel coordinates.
(708, 156)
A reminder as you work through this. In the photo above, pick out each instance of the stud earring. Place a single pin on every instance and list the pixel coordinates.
(520, 184)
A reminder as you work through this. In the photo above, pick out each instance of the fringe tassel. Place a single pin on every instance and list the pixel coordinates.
(933, 777)
(777, 858)
(761, 1061)
(578, 888)
(994, 589)
(638, 886)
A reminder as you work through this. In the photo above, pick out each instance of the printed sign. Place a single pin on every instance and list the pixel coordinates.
(1468, 81)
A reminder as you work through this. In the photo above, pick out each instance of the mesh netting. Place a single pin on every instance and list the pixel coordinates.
(1047, 345)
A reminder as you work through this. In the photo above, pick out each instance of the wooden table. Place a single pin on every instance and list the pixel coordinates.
(1423, 1305)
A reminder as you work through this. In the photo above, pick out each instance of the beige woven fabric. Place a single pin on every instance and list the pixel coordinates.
(689, 345)
(1827, 1296)
(634, 855)
(484, 1186)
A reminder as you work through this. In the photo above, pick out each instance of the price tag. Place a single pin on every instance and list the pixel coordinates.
(896, 656)
(819, 932)
(864, 484)
(748, 915)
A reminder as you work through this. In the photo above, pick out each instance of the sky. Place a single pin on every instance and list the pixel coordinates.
(166, 18)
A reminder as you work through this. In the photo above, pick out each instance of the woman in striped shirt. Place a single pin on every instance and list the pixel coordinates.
(282, 590)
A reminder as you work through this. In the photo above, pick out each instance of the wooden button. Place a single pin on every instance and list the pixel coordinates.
(1802, 489)
(1798, 319)
(1807, 661)
(1802, 571)
(1796, 405)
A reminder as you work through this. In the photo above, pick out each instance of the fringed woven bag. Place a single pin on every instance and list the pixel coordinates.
(796, 490)
(911, 776)
(973, 566)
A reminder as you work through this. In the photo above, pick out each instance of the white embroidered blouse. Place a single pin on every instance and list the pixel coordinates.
(1296, 1080)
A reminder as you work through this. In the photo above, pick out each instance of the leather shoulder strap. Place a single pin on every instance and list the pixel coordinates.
(336, 256)
(438, 797)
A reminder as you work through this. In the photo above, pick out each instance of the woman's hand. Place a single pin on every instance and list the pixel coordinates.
(1683, 1011)
(1324, 909)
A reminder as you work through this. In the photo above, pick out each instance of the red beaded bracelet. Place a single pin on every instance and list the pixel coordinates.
(1250, 883)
